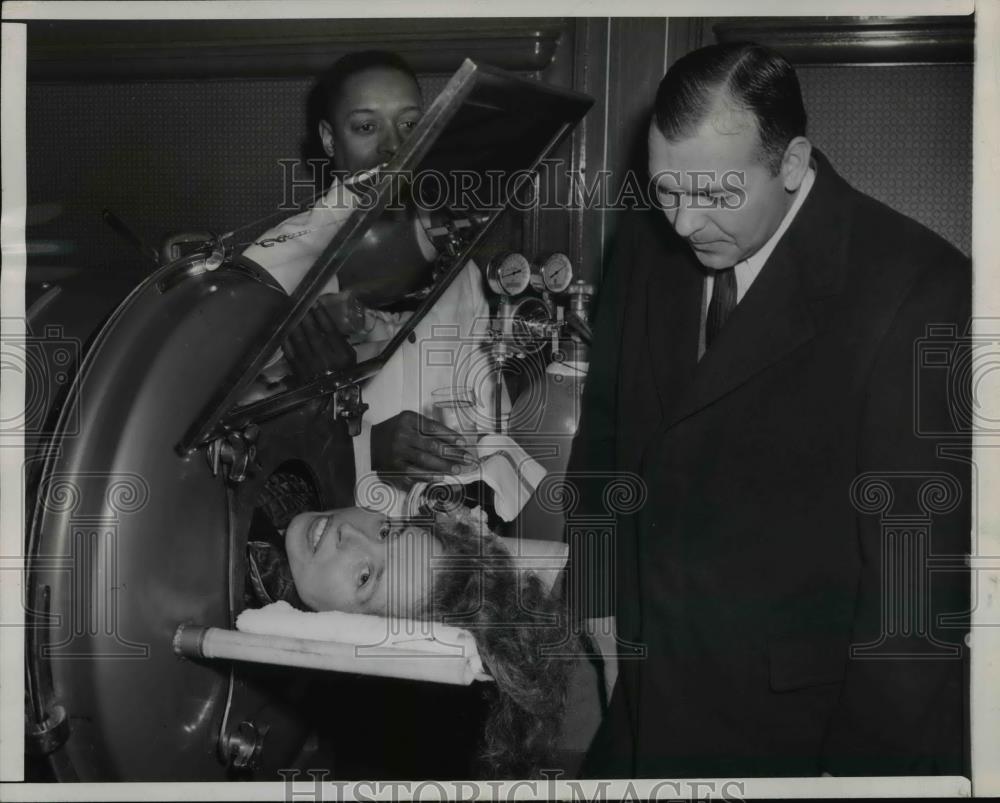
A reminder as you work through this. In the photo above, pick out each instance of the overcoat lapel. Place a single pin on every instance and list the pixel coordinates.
(673, 317)
(768, 323)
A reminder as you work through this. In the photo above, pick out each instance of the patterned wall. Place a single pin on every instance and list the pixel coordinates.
(901, 134)
(164, 156)
(181, 155)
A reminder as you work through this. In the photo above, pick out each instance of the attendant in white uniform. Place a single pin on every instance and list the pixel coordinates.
(373, 102)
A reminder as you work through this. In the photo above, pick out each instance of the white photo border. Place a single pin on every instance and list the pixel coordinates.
(985, 692)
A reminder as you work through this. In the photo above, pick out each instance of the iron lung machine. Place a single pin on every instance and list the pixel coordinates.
(142, 507)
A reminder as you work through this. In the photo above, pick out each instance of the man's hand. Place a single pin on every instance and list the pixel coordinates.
(410, 447)
(316, 346)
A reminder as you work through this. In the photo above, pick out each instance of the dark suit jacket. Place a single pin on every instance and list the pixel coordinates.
(758, 558)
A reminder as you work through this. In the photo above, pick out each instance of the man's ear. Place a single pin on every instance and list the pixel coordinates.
(326, 137)
(795, 163)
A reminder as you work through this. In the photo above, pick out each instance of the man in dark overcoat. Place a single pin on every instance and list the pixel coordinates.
(788, 599)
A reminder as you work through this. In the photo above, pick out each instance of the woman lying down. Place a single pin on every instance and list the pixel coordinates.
(450, 569)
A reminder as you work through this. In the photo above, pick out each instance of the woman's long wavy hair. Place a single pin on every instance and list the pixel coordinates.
(511, 614)
(517, 623)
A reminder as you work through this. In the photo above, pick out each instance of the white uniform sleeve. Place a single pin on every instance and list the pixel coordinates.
(288, 250)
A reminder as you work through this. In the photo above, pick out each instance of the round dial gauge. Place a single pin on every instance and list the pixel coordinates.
(557, 273)
(509, 274)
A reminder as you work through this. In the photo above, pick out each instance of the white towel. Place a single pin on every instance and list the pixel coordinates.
(503, 465)
(372, 635)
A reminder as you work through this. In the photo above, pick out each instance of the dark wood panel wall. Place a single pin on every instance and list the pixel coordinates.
(889, 101)
(200, 112)
(619, 61)
(83, 50)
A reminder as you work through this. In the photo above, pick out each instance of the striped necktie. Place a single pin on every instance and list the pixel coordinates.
(721, 305)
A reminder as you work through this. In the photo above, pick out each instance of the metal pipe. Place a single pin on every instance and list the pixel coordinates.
(197, 641)
(498, 400)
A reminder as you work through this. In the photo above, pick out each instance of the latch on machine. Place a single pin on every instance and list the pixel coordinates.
(233, 453)
(243, 748)
(347, 404)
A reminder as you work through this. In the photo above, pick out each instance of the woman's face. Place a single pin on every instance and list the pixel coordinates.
(352, 560)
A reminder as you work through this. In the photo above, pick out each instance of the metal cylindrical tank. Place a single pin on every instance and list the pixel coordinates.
(129, 538)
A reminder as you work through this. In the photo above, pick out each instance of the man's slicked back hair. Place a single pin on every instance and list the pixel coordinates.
(744, 74)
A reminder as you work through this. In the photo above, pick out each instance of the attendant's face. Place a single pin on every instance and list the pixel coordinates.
(352, 560)
(715, 190)
(375, 111)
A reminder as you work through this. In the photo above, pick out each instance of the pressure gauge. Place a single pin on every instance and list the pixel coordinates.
(508, 274)
(557, 273)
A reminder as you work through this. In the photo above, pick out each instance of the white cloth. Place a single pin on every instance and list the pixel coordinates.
(350, 642)
(748, 269)
(360, 629)
(446, 349)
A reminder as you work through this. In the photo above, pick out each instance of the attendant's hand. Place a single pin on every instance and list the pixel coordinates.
(348, 313)
(316, 346)
(409, 447)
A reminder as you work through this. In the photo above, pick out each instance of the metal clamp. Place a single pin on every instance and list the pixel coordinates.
(347, 404)
(208, 257)
(244, 748)
(450, 233)
(234, 452)
(42, 738)
(47, 728)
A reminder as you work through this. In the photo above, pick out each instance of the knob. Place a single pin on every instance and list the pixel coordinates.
(245, 746)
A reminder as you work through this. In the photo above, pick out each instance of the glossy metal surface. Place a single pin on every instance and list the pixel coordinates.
(509, 274)
(134, 534)
(557, 273)
(130, 539)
